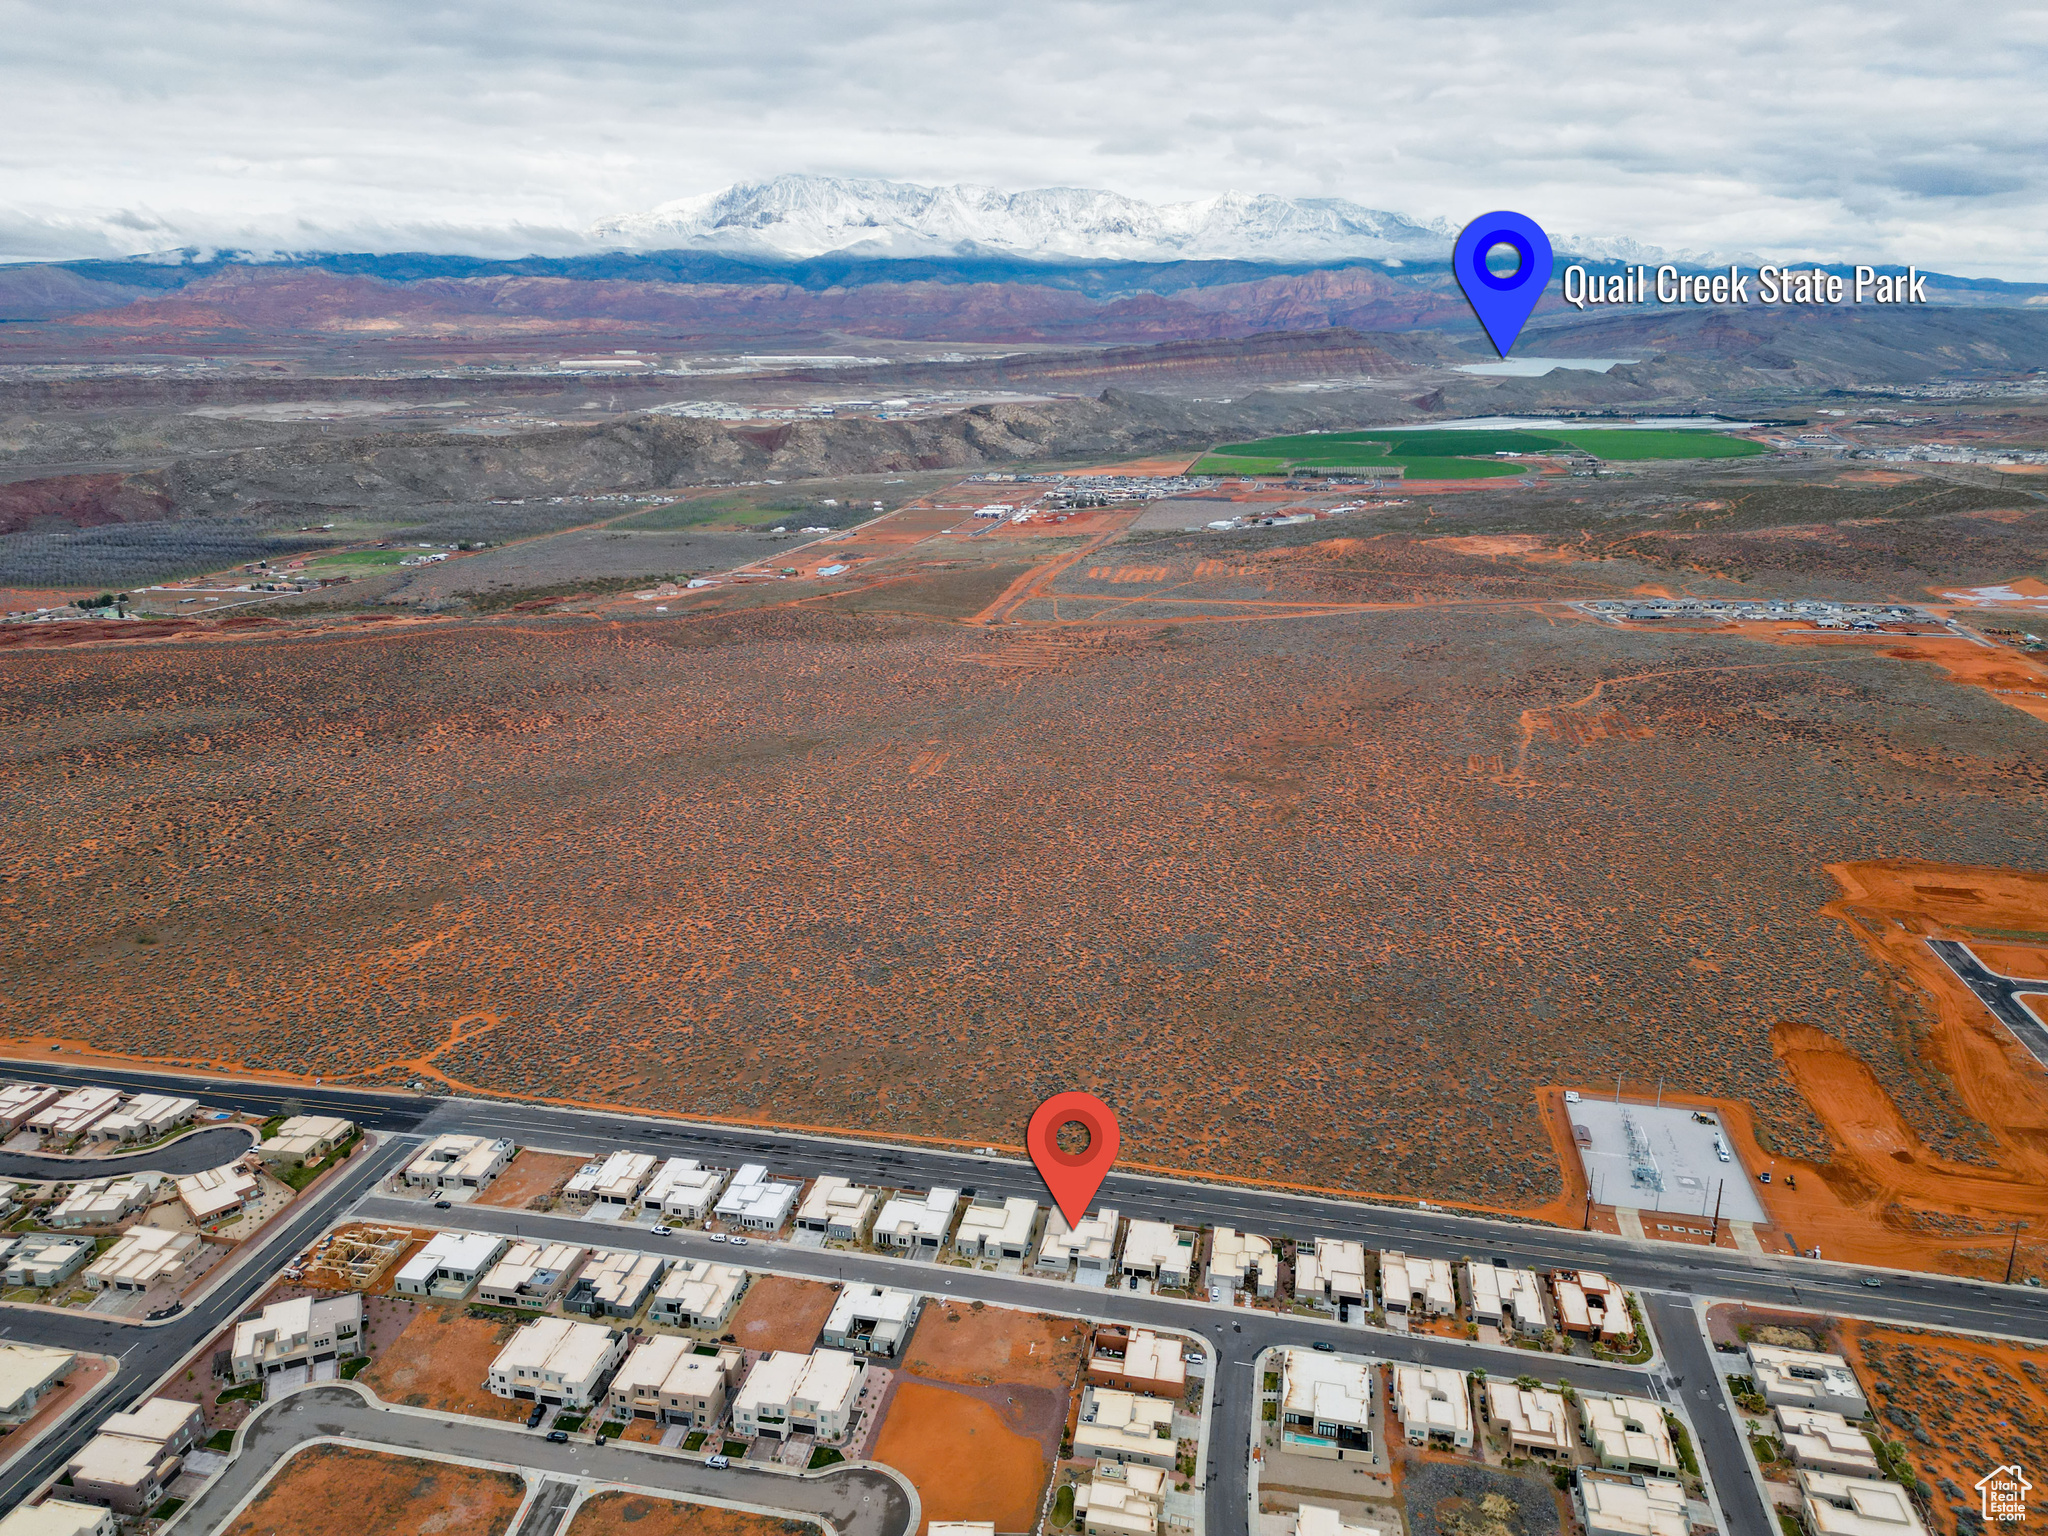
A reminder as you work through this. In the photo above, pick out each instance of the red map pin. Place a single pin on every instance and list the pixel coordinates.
(1073, 1177)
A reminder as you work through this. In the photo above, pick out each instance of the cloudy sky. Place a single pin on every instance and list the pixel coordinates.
(1874, 131)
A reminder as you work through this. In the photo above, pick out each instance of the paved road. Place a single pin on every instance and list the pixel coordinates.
(372, 1110)
(146, 1352)
(1696, 1379)
(2000, 994)
(858, 1501)
(550, 1503)
(210, 1148)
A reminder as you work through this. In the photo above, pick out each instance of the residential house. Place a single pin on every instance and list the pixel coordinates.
(1160, 1252)
(872, 1320)
(75, 1113)
(449, 1266)
(1121, 1501)
(1508, 1299)
(837, 1207)
(104, 1202)
(530, 1274)
(756, 1202)
(302, 1331)
(793, 1394)
(1856, 1506)
(669, 1380)
(1325, 1405)
(457, 1162)
(920, 1223)
(305, 1139)
(1415, 1286)
(1242, 1261)
(695, 1293)
(175, 1425)
(614, 1284)
(1826, 1442)
(1618, 1504)
(1433, 1404)
(142, 1257)
(1087, 1252)
(1534, 1422)
(121, 1473)
(1137, 1360)
(614, 1180)
(1628, 1434)
(58, 1517)
(44, 1259)
(145, 1117)
(20, 1102)
(558, 1361)
(28, 1374)
(214, 1194)
(996, 1227)
(1591, 1306)
(1125, 1428)
(1802, 1378)
(1332, 1274)
(683, 1189)
(1321, 1520)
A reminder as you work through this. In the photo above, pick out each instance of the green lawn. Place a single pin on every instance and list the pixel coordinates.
(705, 511)
(1459, 455)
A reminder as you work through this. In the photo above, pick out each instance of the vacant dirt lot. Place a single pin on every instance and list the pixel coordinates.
(630, 1514)
(335, 1490)
(440, 1361)
(530, 1174)
(980, 1346)
(965, 1461)
(781, 1313)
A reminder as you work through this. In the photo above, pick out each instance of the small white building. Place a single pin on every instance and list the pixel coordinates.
(1826, 1442)
(872, 1320)
(1433, 1404)
(302, 1331)
(756, 1202)
(997, 1227)
(458, 1162)
(1803, 1378)
(43, 1259)
(28, 1374)
(614, 1180)
(673, 1381)
(145, 1117)
(1412, 1286)
(1321, 1520)
(1160, 1252)
(1125, 1428)
(1242, 1261)
(214, 1194)
(1534, 1421)
(1591, 1305)
(1331, 1274)
(920, 1223)
(695, 1293)
(791, 1394)
(1087, 1252)
(683, 1189)
(104, 1202)
(305, 1139)
(58, 1517)
(143, 1257)
(1856, 1506)
(614, 1284)
(1617, 1504)
(531, 1274)
(558, 1361)
(1628, 1434)
(837, 1207)
(75, 1113)
(1508, 1299)
(1326, 1405)
(20, 1101)
(1121, 1500)
(449, 1265)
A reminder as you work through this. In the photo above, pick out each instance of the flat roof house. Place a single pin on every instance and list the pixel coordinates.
(1160, 1252)
(872, 1320)
(695, 1293)
(1332, 1273)
(1125, 1428)
(995, 1227)
(836, 1207)
(19, 1103)
(58, 1517)
(103, 1202)
(557, 1361)
(45, 1259)
(1591, 1305)
(1826, 1442)
(305, 1139)
(28, 1374)
(176, 1426)
(1803, 1378)
(1507, 1299)
(530, 1274)
(756, 1202)
(1325, 1405)
(458, 1162)
(1137, 1360)
(1856, 1506)
(1534, 1423)
(1121, 1500)
(142, 1257)
(74, 1113)
(302, 1331)
(213, 1194)
(920, 1223)
(1433, 1404)
(122, 1473)
(145, 1117)
(1617, 1504)
(667, 1380)
(613, 1180)
(1410, 1285)
(449, 1265)
(1628, 1434)
(1088, 1252)
(614, 1284)
(791, 1394)
(683, 1189)
(1243, 1261)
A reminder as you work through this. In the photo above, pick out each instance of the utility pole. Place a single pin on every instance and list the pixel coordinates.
(1660, 1093)
(2014, 1252)
(1714, 1236)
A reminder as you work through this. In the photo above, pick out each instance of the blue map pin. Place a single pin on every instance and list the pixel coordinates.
(1503, 300)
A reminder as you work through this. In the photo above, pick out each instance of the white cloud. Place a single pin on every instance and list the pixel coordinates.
(1869, 131)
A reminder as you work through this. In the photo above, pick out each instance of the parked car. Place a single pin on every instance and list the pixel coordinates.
(558, 1437)
(736, 1238)
(444, 1205)
(664, 1231)
(538, 1412)
(1570, 1097)
(718, 1237)
(1134, 1282)
(720, 1461)
(1325, 1346)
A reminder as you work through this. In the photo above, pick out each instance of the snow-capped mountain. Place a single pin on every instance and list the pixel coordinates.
(805, 216)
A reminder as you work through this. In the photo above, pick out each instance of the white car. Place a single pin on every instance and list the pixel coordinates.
(740, 1240)
(718, 1237)
(1570, 1097)
(664, 1231)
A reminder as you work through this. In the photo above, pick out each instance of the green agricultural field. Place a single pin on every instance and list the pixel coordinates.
(1697, 443)
(361, 557)
(1419, 468)
(1463, 455)
(705, 511)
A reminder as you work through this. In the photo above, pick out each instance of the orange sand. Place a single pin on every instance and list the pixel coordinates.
(531, 1173)
(337, 1490)
(783, 1313)
(632, 1514)
(964, 1461)
(958, 1343)
(440, 1362)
